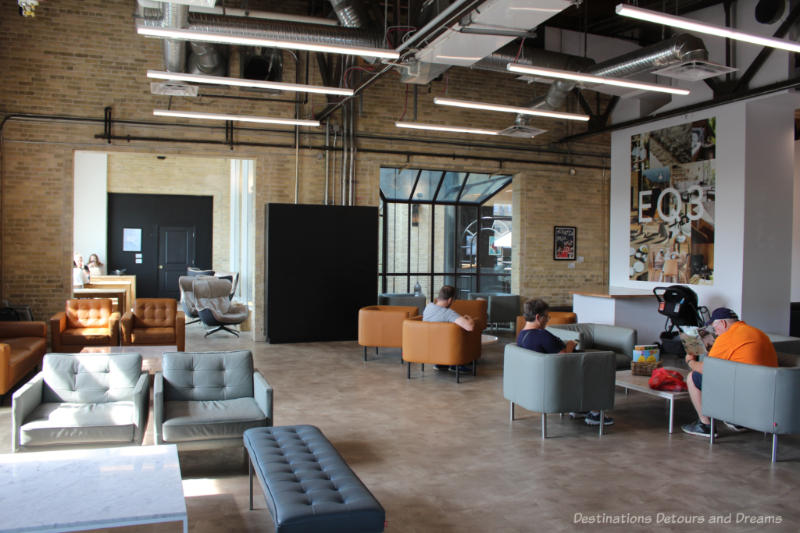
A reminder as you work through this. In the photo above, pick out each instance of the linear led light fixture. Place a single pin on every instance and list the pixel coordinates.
(453, 129)
(224, 38)
(577, 76)
(239, 82)
(701, 27)
(235, 118)
(509, 109)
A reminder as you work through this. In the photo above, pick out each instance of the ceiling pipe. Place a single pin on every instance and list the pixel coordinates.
(350, 13)
(531, 56)
(175, 16)
(678, 49)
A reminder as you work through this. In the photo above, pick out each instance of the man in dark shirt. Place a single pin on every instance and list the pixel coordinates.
(535, 337)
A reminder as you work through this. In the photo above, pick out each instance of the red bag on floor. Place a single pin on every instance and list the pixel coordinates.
(667, 380)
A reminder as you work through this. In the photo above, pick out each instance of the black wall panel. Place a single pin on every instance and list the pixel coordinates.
(149, 212)
(321, 268)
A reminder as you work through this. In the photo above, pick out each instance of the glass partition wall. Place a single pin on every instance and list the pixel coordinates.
(439, 227)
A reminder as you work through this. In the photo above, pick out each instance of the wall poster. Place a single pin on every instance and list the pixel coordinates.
(673, 182)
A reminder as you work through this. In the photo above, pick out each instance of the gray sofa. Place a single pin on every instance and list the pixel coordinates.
(82, 400)
(757, 397)
(502, 308)
(618, 339)
(558, 383)
(207, 400)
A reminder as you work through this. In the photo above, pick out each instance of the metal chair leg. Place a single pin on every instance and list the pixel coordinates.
(512, 411)
(458, 373)
(711, 439)
(602, 422)
(774, 447)
(475, 368)
(250, 469)
(544, 425)
(422, 367)
(365, 353)
(408, 370)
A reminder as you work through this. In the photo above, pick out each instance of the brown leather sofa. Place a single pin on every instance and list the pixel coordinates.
(556, 317)
(445, 343)
(154, 321)
(22, 347)
(381, 326)
(84, 322)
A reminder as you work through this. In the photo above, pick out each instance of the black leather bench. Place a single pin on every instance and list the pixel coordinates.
(307, 484)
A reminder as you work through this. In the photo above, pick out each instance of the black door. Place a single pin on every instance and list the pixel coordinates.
(176, 248)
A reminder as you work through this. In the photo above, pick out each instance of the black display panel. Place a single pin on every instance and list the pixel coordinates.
(321, 267)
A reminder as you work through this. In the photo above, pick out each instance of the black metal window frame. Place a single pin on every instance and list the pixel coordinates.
(458, 204)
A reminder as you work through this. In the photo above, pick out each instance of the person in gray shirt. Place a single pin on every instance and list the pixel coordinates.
(439, 311)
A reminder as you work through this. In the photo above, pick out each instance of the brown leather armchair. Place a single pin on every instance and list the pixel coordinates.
(556, 317)
(154, 321)
(84, 322)
(445, 343)
(22, 347)
(381, 326)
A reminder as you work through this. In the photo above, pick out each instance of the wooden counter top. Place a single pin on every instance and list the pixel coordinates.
(614, 292)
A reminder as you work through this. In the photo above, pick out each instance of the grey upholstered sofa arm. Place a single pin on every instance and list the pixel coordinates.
(24, 401)
(757, 397)
(556, 383)
(262, 391)
(158, 407)
(141, 405)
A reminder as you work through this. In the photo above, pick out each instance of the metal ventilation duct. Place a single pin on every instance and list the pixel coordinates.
(530, 55)
(175, 16)
(206, 58)
(678, 49)
(350, 13)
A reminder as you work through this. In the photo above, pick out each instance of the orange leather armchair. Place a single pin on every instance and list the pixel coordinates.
(84, 322)
(556, 317)
(445, 343)
(154, 321)
(381, 326)
(22, 347)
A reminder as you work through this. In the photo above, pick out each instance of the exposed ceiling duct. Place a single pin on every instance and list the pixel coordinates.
(175, 16)
(682, 48)
(206, 58)
(350, 13)
(530, 55)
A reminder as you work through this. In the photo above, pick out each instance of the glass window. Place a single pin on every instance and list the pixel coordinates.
(397, 184)
(480, 187)
(396, 237)
(427, 184)
(451, 186)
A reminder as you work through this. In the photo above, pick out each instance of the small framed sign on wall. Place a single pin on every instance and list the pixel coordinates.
(564, 242)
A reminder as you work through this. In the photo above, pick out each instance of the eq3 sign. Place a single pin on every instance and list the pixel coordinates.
(673, 192)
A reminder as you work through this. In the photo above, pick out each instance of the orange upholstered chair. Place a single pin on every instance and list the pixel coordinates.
(556, 317)
(381, 326)
(154, 321)
(445, 343)
(84, 322)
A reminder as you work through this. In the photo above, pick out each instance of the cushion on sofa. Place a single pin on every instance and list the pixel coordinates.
(153, 336)
(23, 347)
(71, 423)
(86, 378)
(206, 420)
(86, 336)
(216, 376)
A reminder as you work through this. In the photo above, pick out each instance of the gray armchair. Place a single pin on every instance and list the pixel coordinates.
(214, 305)
(502, 308)
(405, 299)
(207, 400)
(618, 339)
(558, 383)
(757, 397)
(82, 400)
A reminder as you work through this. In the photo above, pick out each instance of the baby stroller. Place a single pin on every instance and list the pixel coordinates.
(679, 304)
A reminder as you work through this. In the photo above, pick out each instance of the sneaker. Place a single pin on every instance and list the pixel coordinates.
(578, 415)
(442, 368)
(735, 428)
(462, 368)
(593, 419)
(697, 428)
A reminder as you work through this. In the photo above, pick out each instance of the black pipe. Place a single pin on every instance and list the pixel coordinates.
(375, 136)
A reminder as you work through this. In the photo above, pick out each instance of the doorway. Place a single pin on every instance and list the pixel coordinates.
(175, 231)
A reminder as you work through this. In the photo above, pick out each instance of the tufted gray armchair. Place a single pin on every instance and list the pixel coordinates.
(207, 400)
(82, 400)
(559, 382)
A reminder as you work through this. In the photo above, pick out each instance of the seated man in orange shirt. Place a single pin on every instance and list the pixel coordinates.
(736, 341)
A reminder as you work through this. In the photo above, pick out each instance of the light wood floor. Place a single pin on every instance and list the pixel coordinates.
(442, 457)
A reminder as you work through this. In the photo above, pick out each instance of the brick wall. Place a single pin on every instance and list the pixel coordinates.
(77, 57)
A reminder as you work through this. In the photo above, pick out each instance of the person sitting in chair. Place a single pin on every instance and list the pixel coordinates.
(439, 311)
(736, 341)
(535, 337)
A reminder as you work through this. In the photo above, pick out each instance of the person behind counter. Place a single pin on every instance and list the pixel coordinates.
(96, 268)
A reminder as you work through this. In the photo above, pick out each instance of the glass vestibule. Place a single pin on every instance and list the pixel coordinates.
(440, 227)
